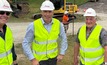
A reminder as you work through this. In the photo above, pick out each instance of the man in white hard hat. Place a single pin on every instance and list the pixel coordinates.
(7, 52)
(42, 35)
(65, 20)
(91, 42)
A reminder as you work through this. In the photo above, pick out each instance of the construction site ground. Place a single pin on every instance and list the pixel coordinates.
(19, 29)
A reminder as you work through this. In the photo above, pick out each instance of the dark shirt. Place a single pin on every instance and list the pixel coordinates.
(2, 35)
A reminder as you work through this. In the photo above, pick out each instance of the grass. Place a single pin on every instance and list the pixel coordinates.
(67, 60)
(78, 2)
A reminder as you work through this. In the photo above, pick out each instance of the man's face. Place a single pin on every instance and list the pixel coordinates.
(90, 21)
(47, 15)
(4, 17)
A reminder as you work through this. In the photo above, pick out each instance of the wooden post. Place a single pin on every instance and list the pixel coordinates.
(73, 20)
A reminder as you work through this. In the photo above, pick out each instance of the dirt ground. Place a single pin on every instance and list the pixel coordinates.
(19, 29)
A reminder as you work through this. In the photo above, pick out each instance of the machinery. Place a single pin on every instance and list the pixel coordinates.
(60, 7)
(19, 7)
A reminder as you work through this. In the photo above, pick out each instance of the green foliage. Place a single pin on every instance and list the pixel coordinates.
(78, 2)
(35, 5)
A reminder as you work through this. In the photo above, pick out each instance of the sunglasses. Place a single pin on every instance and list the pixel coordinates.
(4, 12)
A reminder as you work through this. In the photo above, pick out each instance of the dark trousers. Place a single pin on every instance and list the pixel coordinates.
(52, 61)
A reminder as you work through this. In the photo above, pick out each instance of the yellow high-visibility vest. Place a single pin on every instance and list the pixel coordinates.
(5, 48)
(91, 52)
(45, 44)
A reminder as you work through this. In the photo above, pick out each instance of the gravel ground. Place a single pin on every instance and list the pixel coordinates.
(19, 29)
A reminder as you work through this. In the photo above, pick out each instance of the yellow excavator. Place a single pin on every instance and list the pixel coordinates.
(60, 7)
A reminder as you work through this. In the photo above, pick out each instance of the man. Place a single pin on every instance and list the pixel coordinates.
(91, 42)
(42, 35)
(7, 53)
(65, 20)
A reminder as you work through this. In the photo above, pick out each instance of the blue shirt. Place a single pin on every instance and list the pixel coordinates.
(29, 37)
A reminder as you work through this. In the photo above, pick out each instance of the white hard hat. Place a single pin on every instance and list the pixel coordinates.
(66, 12)
(90, 12)
(47, 5)
(5, 6)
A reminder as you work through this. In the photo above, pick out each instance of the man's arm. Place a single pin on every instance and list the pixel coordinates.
(76, 53)
(27, 42)
(76, 49)
(14, 56)
(105, 53)
(103, 41)
(63, 43)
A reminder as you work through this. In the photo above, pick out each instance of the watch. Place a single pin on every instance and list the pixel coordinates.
(105, 63)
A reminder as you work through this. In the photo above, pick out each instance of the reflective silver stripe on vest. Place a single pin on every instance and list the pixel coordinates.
(45, 42)
(47, 52)
(5, 54)
(92, 59)
(90, 49)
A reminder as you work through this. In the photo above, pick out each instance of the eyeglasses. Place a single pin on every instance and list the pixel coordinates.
(4, 12)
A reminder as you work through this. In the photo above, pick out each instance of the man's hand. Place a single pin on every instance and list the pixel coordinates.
(15, 62)
(75, 61)
(60, 57)
(35, 62)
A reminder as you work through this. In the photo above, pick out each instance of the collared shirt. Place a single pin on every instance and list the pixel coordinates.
(29, 37)
(102, 38)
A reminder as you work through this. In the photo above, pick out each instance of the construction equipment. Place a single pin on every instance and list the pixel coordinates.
(60, 7)
(19, 7)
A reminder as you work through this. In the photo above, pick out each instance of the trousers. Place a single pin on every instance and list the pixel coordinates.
(50, 61)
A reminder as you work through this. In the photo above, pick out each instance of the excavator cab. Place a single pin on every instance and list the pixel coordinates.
(58, 4)
(61, 6)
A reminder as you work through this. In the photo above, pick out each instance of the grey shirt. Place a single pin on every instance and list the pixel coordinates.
(102, 37)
